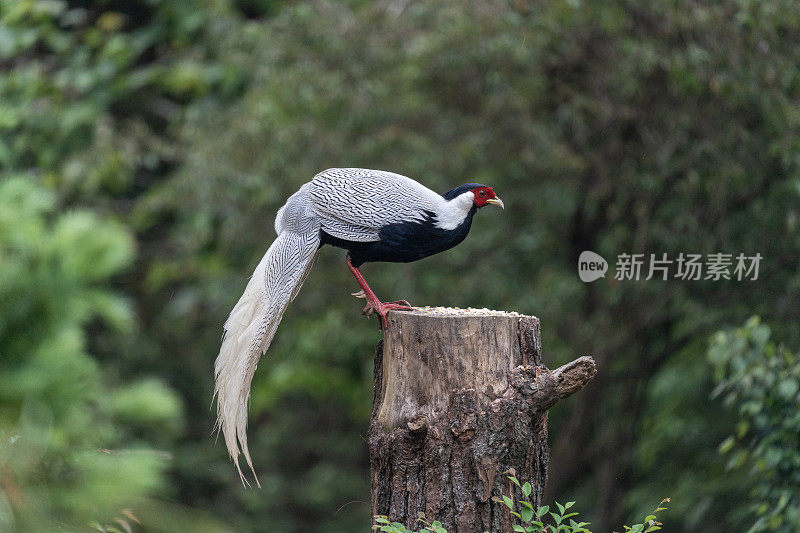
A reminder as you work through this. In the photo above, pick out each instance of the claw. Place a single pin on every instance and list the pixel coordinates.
(359, 294)
(381, 308)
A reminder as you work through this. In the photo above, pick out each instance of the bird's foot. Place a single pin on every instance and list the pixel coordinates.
(381, 308)
(373, 304)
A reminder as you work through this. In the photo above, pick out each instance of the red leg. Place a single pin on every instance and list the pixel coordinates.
(373, 304)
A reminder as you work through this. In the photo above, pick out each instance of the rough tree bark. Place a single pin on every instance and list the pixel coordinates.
(461, 396)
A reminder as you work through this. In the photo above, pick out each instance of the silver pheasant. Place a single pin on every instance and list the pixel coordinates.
(376, 216)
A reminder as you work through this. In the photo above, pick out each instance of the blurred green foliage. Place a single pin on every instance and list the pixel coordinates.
(614, 126)
(53, 424)
(65, 461)
(762, 381)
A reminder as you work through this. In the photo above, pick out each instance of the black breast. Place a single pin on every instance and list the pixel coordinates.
(404, 242)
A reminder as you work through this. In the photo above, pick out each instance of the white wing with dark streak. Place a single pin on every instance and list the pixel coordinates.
(355, 203)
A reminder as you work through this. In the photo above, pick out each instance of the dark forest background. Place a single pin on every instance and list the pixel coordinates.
(145, 147)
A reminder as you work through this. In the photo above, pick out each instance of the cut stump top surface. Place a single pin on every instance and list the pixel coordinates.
(459, 311)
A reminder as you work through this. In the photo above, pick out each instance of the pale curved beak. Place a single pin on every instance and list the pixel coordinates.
(496, 201)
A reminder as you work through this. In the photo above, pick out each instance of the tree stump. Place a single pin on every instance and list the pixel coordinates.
(461, 396)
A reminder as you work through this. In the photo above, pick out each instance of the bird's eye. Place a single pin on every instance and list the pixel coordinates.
(482, 194)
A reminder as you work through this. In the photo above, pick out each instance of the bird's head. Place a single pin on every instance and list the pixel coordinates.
(478, 194)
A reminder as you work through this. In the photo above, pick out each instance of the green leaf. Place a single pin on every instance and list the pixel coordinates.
(526, 489)
(527, 515)
(726, 445)
(788, 388)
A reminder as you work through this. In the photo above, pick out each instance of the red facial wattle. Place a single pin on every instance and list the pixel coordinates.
(485, 195)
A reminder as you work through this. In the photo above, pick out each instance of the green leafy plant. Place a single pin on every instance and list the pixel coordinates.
(649, 523)
(531, 519)
(382, 523)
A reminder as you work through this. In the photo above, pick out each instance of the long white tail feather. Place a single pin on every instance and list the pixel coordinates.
(252, 324)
